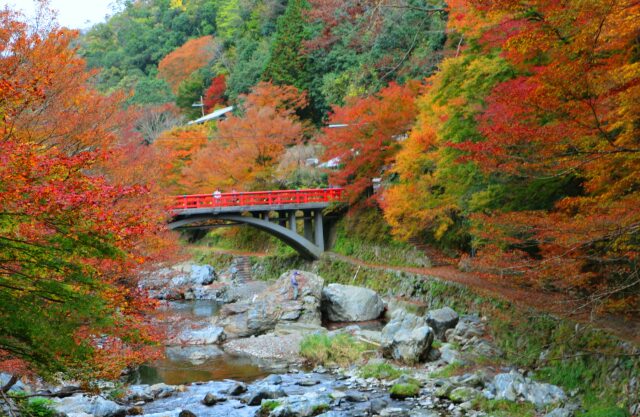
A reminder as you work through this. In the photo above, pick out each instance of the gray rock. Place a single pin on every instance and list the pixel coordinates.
(18, 386)
(273, 379)
(393, 412)
(212, 399)
(307, 382)
(349, 303)
(442, 320)
(265, 392)
(208, 335)
(514, 386)
(275, 305)
(95, 406)
(196, 355)
(463, 394)
(449, 354)
(186, 413)
(406, 338)
(305, 405)
(237, 389)
(355, 397)
(376, 405)
(560, 412)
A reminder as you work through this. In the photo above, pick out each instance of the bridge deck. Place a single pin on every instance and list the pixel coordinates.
(255, 201)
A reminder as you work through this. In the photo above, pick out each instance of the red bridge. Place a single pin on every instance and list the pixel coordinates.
(258, 198)
(275, 212)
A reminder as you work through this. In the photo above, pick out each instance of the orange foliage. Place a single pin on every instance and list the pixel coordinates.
(574, 111)
(372, 137)
(245, 150)
(75, 226)
(182, 62)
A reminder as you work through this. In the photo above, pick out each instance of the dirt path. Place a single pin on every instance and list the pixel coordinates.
(556, 303)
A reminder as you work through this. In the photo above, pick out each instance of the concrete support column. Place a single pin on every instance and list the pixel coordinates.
(319, 235)
(265, 216)
(282, 218)
(292, 221)
(308, 225)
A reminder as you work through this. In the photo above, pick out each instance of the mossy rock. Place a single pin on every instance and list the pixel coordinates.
(463, 394)
(268, 406)
(402, 391)
(445, 390)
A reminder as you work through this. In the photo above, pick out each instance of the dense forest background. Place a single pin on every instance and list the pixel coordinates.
(501, 130)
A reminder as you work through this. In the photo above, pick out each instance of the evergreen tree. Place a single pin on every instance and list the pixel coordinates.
(288, 65)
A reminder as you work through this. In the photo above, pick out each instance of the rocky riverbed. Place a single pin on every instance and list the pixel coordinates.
(234, 350)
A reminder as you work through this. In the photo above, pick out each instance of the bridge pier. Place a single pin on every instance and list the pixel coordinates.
(292, 221)
(308, 225)
(319, 226)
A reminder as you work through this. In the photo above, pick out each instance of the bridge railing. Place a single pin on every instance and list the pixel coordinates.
(257, 198)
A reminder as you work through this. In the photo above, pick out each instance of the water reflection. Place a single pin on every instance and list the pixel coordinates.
(185, 364)
(175, 372)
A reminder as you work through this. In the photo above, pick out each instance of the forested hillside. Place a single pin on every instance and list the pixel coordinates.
(501, 130)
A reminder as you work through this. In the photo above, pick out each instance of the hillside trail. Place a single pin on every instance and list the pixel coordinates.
(553, 302)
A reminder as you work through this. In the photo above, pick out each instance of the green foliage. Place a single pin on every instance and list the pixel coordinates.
(286, 64)
(379, 250)
(35, 407)
(149, 90)
(504, 408)
(605, 412)
(404, 390)
(228, 20)
(380, 371)
(342, 349)
(190, 91)
(268, 406)
(454, 368)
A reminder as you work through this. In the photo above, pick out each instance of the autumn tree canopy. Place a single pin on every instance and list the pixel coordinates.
(245, 151)
(71, 238)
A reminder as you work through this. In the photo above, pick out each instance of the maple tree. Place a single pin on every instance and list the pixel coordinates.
(73, 235)
(540, 175)
(215, 94)
(185, 60)
(245, 151)
(371, 137)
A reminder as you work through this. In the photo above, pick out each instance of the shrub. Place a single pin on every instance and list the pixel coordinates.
(380, 371)
(402, 391)
(341, 349)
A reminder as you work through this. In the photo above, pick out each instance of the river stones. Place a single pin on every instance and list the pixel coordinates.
(276, 304)
(347, 303)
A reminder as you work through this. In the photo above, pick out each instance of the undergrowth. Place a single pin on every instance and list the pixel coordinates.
(342, 349)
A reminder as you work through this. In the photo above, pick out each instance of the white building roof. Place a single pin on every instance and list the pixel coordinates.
(212, 116)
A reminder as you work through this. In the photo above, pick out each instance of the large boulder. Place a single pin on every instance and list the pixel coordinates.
(349, 303)
(441, 320)
(406, 338)
(262, 312)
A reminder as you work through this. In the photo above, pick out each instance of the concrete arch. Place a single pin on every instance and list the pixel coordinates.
(303, 246)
